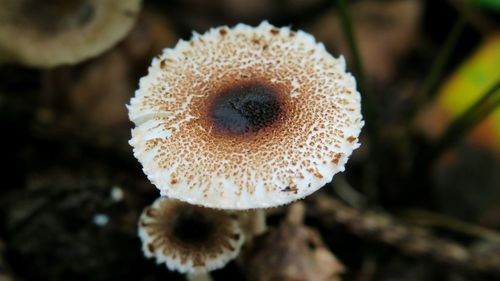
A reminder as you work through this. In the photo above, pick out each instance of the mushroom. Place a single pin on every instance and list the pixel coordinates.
(55, 32)
(187, 238)
(245, 117)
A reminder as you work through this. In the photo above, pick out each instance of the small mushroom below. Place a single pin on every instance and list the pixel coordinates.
(187, 238)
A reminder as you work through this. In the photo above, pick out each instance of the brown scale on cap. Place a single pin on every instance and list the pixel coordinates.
(237, 118)
(189, 238)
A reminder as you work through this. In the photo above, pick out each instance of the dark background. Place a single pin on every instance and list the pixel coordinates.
(65, 132)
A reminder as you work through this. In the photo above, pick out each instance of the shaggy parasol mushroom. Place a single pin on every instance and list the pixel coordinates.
(245, 117)
(55, 32)
(187, 238)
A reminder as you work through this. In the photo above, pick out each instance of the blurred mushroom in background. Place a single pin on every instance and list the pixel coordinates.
(58, 32)
(94, 92)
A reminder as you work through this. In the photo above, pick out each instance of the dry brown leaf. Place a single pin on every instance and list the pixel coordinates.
(291, 252)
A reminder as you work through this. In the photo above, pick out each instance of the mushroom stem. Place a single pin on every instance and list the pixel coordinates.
(254, 224)
(258, 223)
(199, 277)
(296, 213)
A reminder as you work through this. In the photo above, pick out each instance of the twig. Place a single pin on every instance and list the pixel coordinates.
(441, 61)
(412, 240)
(351, 40)
(478, 19)
(436, 71)
(429, 219)
(370, 173)
(345, 191)
(469, 119)
(348, 30)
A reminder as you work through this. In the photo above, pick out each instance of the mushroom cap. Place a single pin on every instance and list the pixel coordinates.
(245, 117)
(189, 238)
(55, 32)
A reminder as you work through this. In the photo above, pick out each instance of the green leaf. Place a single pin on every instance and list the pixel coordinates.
(488, 4)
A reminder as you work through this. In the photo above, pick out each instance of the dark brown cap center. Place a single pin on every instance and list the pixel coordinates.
(245, 108)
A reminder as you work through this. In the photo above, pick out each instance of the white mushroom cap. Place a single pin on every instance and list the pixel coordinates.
(188, 238)
(54, 32)
(247, 117)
